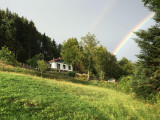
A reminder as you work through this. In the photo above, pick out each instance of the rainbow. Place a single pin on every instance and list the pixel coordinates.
(131, 33)
(103, 13)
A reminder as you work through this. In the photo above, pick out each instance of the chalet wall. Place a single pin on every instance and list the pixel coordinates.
(54, 65)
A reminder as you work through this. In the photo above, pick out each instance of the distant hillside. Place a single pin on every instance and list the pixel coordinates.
(26, 97)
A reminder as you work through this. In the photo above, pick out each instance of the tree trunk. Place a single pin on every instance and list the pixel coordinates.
(101, 75)
(41, 73)
(89, 71)
(88, 75)
(2, 67)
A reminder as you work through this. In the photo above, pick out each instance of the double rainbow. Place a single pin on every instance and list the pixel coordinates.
(131, 33)
(102, 14)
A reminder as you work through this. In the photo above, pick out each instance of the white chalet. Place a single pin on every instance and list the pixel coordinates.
(58, 64)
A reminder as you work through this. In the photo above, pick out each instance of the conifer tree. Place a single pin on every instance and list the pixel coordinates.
(146, 80)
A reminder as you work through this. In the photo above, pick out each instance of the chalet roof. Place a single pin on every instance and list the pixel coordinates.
(57, 60)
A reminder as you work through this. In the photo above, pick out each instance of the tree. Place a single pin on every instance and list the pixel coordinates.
(22, 38)
(7, 29)
(59, 48)
(126, 67)
(88, 44)
(147, 75)
(149, 61)
(7, 57)
(42, 66)
(105, 63)
(55, 52)
(112, 68)
(149, 42)
(71, 52)
(33, 61)
(153, 5)
(100, 58)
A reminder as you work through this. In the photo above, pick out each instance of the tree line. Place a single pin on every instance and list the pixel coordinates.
(23, 39)
(88, 56)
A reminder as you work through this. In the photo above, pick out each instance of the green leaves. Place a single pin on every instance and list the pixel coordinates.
(33, 61)
(6, 56)
(126, 67)
(146, 83)
(70, 51)
(42, 66)
(88, 44)
(100, 60)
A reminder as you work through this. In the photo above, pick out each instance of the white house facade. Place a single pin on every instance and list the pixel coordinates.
(58, 64)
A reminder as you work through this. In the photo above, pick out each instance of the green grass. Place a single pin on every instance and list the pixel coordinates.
(24, 97)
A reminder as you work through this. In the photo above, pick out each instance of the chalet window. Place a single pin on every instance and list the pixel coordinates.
(50, 65)
(64, 66)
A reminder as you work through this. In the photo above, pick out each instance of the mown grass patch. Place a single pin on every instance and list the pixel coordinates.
(26, 97)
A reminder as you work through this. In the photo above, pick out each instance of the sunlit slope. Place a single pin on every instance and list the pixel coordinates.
(26, 97)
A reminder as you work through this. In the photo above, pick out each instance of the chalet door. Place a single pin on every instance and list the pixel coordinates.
(58, 66)
(69, 67)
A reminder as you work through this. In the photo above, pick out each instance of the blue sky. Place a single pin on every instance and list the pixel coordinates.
(109, 20)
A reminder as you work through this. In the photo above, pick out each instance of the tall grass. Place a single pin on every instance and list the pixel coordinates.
(25, 97)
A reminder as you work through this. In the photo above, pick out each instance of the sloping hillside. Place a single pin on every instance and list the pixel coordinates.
(26, 97)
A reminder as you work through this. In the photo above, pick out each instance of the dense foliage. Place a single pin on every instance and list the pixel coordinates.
(146, 79)
(23, 39)
(71, 53)
(126, 67)
(88, 57)
(88, 43)
(34, 60)
(7, 57)
(153, 5)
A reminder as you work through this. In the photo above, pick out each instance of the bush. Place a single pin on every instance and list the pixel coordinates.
(81, 76)
(7, 57)
(125, 84)
(42, 66)
(71, 74)
(33, 61)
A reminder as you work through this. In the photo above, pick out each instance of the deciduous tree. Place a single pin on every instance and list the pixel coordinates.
(100, 60)
(42, 66)
(89, 42)
(71, 52)
(126, 67)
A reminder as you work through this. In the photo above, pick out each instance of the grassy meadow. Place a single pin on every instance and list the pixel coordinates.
(24, 97)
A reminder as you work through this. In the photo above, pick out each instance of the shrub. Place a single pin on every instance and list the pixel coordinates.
(33, 61)
(144, 86)
(42, 66)
(81, 76)
(71, 74)
(7, 57)
(125, 84)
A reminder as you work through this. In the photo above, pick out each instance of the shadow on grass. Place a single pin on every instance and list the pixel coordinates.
(64, 77)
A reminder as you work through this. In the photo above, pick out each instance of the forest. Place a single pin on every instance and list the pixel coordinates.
(22, 38)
